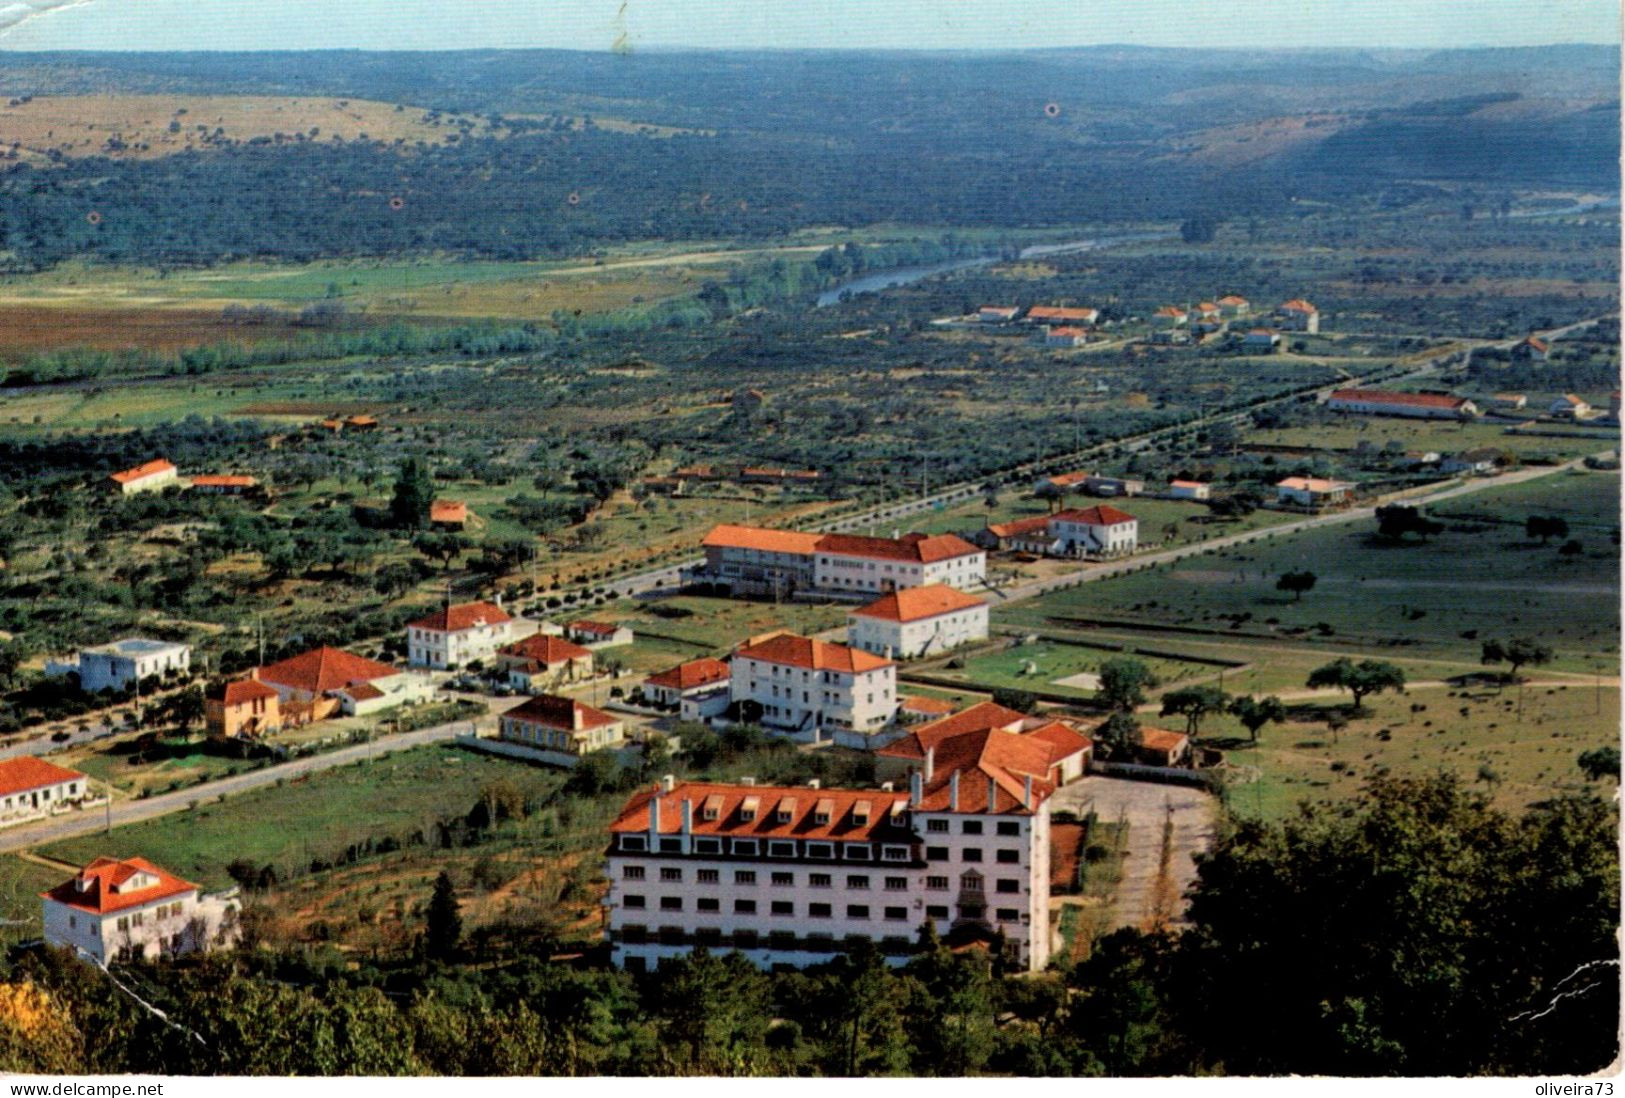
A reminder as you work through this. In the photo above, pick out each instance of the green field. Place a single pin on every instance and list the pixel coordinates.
(1056, 661)
(1163, 522)
(1436, 601)
(315, 816)
(720, 624)
(1345, 433)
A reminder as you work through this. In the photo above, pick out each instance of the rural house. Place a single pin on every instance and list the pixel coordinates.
(1532, 349)
(1099, 485)
(1313, 492)
(318, 684)
(1058, 315)
(457, 635)
(811, 690)
(1061, 483)
(561, 729)
(542, 662)
(1065, 337)
(1233, 306)
(448, 514)
(697, 689)
(1568, 406)
(120, 664)
(1101, 531)
(115, 909)
(918, 621)
(1169, 316)
(997, 314)
(32, 787)
(1261, 340)
(243, 708)
(152, 476)
(1189, 489)
(1298, 315)
(224, 485)
(1381, 402)
(598, 634)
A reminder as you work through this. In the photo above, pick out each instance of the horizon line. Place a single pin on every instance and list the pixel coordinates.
(670, 48)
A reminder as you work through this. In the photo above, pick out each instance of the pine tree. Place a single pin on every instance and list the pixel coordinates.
(414, 495)
(445, 929)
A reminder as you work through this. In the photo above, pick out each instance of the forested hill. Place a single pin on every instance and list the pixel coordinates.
(535, 153)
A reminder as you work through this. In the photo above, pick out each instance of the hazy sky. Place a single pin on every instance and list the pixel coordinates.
(889, 24)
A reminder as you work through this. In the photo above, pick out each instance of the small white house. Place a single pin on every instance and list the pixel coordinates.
(1312, 492)
(1101, 531)
(1189, 489)
(598, 634)
(918, 621)
(1569, 406)
(153, 476)
(1261, 339)
(120, 909)
(997, 314)
(118, 665)
(31, 788)
(697, 688)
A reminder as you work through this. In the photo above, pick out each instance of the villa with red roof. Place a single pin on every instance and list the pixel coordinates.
(1532, 349)
(560, 730)
(1169, 316)
(1189, 489)
(542, 661)
(697, 689)
(1233, 306)
(1298, 315)
(918, 621)
(1094, 532)
(31, 787)
(1383, 402)
(223, 484)
(997, 314)
(1313, 492)
(1065, 335)
(241, 708)
(448, 514)
(118, 909)
(457, 635)
(1057, 314)
(598, 634)
(751, 560)
(151, 476)
(315, 685)
(811, 690)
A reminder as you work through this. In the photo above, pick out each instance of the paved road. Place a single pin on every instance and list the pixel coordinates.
(94, 820)
(1148, 807)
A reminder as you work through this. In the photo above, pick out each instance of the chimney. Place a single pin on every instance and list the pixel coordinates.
(654, 822)
(813, 783)
(953, 791)
(930, 762)
(1027, 793)
(498, 600)
(886, 787)
(747, 781)
(688, 817)
(992, 795)
(668, 783)
(916, 789)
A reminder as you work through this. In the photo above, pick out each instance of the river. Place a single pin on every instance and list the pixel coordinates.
(876, 281)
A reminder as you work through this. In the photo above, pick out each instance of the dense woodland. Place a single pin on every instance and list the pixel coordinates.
(1419, 934)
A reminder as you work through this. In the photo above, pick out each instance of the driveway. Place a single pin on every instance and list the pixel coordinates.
(1152, 889)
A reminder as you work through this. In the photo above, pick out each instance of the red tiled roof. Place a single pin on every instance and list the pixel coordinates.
(1019, 526)
(1170, 310)
(1056, 312)
(1063, 739)
(790, 650)
(26, 772)
(323, 669)
(763, 540)
(105, 876)
(546, 649)
(1068, 331)
(210, 480)
(448, 510)
(361, 421)
(993, 769)
(1536, 342)
(917, 548)
(978, 718)
(1409, 400)
(924, 706)
(1187, 484)
(1102, 515)
(601, 628)
(853, 815)
(1312, 484)
(566, 714)
(1232, 299)
(143, 471)
(686, 676)
(1063, 480)
(240, 692)
(1160, 739)
(362, 692)
(1298, 305)
(465, 615)
(918, 603)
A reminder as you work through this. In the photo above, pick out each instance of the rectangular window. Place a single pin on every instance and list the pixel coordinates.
(857, 852)
(626, 901)
(744, 907)
(937, 911)
(971, 827)
(854, 880)
(971, 911)
(894, 853)
(667, 846)
(744, 876)
(744, 939)
(937, 884)
(744, 846)
(819, 911)
(632, 872)
(707, 876)
(1005, 884)
(857, 911)
(936, 853)
(970, 854)
(707, 903)
(633, 842)
(671, 903)
(896, 884)
(897, 914)
(1009, 827)
(784, 880)
(708, 935)
(820, 850)
(783, 907)
(778, 849)
(708, 846)
(1009, 915)
(1009, 857)
(670, 873)
(819, 880)
(936, 825)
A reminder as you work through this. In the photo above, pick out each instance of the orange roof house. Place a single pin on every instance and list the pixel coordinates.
(224, 483)
(322, 670)
(691, 675)
(761, 539)
(1019, 759)
(448, 512)
(241, 707)
(1101, 515)
(465, 615)
(789, 650)
(109, 885)
(919, 603)
(545, 649)
(26, 773)
(143, 477)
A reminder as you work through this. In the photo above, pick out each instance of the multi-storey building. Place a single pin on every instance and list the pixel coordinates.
(810, 690)
(918, 621)
(120, 909)
(790, 875)
(1101, 531)
(458, 635)
(753, 561)
(117, 666)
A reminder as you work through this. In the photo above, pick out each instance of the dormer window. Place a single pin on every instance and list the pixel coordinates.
(824, 811)
(748, 810)
(860, 813)
(786, 811)
(711, 809)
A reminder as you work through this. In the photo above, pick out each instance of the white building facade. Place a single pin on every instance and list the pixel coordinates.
(117, 666)
(1095, 532)
(115, 910)
(848, 563)
(810, 690)
(31, 788)
(917, 622)
(459, 635)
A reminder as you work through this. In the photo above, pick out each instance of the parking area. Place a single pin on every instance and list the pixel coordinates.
(1152, 889)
